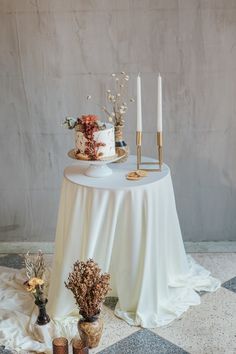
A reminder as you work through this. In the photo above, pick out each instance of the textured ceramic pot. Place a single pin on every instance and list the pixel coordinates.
(90, 331)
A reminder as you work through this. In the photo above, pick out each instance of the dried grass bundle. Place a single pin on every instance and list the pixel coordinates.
(35, 265)
(35, 269)
(89, 287)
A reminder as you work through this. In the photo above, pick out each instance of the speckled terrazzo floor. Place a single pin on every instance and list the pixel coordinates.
(209, 328)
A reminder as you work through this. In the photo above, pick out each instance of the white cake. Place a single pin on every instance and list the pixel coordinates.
(102, 141)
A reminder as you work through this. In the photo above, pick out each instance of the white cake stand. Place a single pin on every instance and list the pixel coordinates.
(96, 168)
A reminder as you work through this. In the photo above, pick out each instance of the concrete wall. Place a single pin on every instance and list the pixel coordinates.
(54, 53)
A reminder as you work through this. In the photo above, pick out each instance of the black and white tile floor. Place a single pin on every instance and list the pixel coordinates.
(209, 328)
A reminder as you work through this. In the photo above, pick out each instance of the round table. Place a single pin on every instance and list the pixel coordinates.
(131, 229)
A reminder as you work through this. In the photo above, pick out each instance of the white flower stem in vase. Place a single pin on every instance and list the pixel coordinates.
(119, 110)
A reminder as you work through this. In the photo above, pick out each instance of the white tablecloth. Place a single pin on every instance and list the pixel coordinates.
(131, 229)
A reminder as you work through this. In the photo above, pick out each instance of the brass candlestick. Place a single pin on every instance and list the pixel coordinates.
(139, 149)
(159, 161)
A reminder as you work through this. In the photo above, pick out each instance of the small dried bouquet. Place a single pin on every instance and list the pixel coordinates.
(35, 268)
(116, 110)
(89, 287)
(116, 99)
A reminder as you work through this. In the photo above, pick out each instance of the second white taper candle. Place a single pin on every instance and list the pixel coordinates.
(139, 104)
(159, 103)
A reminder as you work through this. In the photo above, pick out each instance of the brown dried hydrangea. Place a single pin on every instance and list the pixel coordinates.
(89, 287)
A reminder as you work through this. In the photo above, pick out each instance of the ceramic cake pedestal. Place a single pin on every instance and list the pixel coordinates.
(96, 168)
(98, 171)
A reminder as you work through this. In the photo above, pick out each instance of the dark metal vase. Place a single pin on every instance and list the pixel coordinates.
(43, 317)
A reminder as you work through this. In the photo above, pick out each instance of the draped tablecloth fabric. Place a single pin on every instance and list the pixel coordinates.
(131, 229)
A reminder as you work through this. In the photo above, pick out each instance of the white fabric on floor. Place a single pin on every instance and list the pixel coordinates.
(132, 230)
(18, 314)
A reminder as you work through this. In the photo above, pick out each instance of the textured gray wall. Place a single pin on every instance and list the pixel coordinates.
(54, 53)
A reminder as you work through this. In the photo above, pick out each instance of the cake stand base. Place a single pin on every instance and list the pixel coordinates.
(98, 171)
(96, 168)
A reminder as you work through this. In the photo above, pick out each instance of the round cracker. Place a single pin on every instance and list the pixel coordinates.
(135, 178)
(141, 173)
(132, 174)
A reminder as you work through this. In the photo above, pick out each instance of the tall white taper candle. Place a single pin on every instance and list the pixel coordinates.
(139, 104)
(159, 104)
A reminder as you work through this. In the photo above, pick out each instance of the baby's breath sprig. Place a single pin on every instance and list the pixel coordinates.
(116, 99)
(34, 264)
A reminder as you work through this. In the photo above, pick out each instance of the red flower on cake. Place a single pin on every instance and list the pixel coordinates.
(91, 118)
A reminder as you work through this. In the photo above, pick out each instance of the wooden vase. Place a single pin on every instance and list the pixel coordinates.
(60, 346)
(90, 330)
(79, 347)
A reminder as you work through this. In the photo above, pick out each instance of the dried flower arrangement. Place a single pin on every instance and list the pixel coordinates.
(116, 110)
(35, 268)
(89, 287)
(116, 100)
(84, 122)
(88, 125)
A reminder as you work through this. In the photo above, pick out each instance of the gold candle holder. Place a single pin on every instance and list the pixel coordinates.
(159, 162)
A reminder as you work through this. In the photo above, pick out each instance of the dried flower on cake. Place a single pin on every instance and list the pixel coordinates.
(70, 122)
(89, 119)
